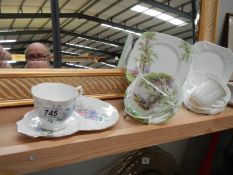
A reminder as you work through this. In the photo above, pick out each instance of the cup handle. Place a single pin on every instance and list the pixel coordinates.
(80, 90)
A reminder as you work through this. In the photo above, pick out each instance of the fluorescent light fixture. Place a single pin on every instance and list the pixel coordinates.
(114, 45)
(6, 48)
(139, 8)
(78, 45)
(118, 28)
(177, 22)
(197, 18)
(165, 17)
(73, 53)
(11, 61)
(152, 12)
(157, 14)
(8, 41)
(108, 64)
(77, 65)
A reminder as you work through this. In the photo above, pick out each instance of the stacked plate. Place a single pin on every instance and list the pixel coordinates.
(157, 67)
(218, 101)
(212, 64)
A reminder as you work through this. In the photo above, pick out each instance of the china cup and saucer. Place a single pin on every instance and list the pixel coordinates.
(68, 112)
(205, 93)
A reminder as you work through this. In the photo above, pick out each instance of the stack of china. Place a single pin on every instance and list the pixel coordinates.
(205, 93)
(153, 98)
(205, 89)
(157, 67)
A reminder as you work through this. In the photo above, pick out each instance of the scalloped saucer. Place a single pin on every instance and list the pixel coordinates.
(29, 126)
(95, 114)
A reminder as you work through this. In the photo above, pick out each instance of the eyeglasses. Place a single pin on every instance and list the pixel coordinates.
(36, 58)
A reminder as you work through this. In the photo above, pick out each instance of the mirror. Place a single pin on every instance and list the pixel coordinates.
(92, 33)
(102, 83)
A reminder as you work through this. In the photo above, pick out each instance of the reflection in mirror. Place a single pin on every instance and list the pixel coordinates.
(92, 33)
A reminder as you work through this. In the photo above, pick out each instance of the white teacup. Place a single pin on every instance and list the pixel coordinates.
(208, 93)
(54, 103)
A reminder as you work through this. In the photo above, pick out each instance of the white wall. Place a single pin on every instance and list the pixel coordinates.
(226, 6)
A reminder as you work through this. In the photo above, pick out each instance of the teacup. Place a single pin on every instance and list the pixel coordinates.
(54, 103)
(207, 93)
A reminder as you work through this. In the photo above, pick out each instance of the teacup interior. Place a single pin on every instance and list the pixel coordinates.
(54, 91)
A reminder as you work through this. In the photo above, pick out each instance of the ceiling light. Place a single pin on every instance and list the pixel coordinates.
(78, 65)
(165, 17)
(157, 14)
(139, 8)
(197, 18)
(11, 61)
(73, 53)
(108, 64)
(8, 41)
(114, 45)
(151, 12)
(118, 28)
(78, 45)
(6, 48)
(177, 22)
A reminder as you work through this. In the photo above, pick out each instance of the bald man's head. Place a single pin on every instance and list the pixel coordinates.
(37, 52)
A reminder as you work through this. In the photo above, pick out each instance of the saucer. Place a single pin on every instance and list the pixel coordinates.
(29, 126)
(211, 58)
(95, 114)
(153, 98)
(193, 80)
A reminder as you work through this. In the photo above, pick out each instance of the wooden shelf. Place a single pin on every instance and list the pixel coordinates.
(21, 154)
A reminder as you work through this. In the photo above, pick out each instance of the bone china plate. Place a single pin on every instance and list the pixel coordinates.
(158, 52)
(95, 114)
(211, 58)
(29, 126)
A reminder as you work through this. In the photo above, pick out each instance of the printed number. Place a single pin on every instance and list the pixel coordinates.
(51, 112)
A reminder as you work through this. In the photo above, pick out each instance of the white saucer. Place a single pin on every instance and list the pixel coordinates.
(29, 126)
(95, 114)
(211, 58)
(193, 80)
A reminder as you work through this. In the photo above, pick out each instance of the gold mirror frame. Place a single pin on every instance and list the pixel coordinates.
(15, 85)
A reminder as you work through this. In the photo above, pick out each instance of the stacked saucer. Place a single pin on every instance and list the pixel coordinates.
(205, 89)
(153, 98)
(205, 93)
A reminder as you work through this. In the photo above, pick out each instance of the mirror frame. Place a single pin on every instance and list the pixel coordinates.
(15, 85)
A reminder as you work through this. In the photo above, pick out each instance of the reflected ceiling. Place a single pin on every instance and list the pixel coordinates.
(90, 26)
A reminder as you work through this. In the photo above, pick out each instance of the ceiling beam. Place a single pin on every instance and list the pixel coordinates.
(167, 8)
(32, 32)
(67, 15)
(25, 32)
(91, 38)
(26, 42)
(88, 49)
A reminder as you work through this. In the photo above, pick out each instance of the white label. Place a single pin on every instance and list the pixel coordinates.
(145, 160)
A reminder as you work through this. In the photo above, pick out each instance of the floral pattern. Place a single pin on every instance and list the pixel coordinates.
(159, 89)
(147, 56)
(89, 112)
